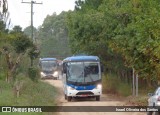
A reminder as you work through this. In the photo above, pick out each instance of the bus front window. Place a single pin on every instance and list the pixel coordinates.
(75, 72)
(48, 65)
(83, 72)
(91, 71)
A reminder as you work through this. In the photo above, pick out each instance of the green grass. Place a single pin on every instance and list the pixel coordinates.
(31, 94)
(40, 94)
(111, 84)
(6, 94)
(2, 75)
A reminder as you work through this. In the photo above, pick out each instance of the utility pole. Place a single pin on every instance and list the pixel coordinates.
(32, 2)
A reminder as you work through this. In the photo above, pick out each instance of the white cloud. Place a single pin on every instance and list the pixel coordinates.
(20, 12)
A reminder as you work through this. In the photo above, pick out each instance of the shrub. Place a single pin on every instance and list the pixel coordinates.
(33, 73)
(31, 93)
(113, 85)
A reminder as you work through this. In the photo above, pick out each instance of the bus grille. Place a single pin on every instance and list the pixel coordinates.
(85, 93)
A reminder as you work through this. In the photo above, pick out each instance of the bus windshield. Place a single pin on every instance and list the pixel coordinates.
(48, 65)
(83, 72)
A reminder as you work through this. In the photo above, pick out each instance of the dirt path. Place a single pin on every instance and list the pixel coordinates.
(106, 100)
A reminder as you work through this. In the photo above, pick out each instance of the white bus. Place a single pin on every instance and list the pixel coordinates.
(82, 77)
(49, 68)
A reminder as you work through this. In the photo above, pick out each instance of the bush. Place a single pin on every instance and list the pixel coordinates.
(33, 73)
(109, 84)
(113, 85)
(37, 94)
(124, 89)
(2, 76)
(6, 94)
(31, 93)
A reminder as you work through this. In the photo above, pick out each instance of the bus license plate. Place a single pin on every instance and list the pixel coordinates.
(84, 95)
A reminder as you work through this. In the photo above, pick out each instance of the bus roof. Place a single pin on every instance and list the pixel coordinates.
(82, 58)
(48, 59)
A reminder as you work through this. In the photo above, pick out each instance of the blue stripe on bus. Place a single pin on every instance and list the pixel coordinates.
(89, 87)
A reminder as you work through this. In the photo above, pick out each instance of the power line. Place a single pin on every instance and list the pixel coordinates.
(32, 2)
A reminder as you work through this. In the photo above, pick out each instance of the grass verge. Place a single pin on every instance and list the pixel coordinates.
(31, 94)
(112, 85)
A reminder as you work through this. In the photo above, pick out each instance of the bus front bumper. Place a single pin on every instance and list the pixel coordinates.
(49, 76)
(83, 93)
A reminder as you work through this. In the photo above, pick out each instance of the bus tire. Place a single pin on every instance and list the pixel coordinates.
(65, 96)
(156, 113)
(97, 98)
(69, 98)
(149, 113)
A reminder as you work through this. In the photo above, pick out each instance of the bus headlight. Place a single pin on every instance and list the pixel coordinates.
(99, 86)
(70, 88)
(55, 73)
(42, 74)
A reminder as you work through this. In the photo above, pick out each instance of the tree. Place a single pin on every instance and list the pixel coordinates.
(33, 53)
(28, 29)
(3, 10)
(136, 35)
(126, 32)
(13, 51)
(90, 33)
(53, 36)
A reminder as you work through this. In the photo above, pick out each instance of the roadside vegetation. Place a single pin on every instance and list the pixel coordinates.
(113, 85)
(124, 34)
(117, 87)
(30, 94)
(19, 74)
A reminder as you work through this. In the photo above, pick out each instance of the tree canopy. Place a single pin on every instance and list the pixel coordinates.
(118, 31)
(53, 36)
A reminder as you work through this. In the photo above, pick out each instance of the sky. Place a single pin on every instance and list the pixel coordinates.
(20, 12)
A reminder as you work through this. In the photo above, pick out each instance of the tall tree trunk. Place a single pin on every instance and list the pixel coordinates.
(11, 67)
(9, 77)
(149, 82)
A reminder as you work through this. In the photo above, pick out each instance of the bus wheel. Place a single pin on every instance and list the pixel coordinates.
(156, 113)
(97, 98)
(69, 98)
(149, 113)
(65, 96)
